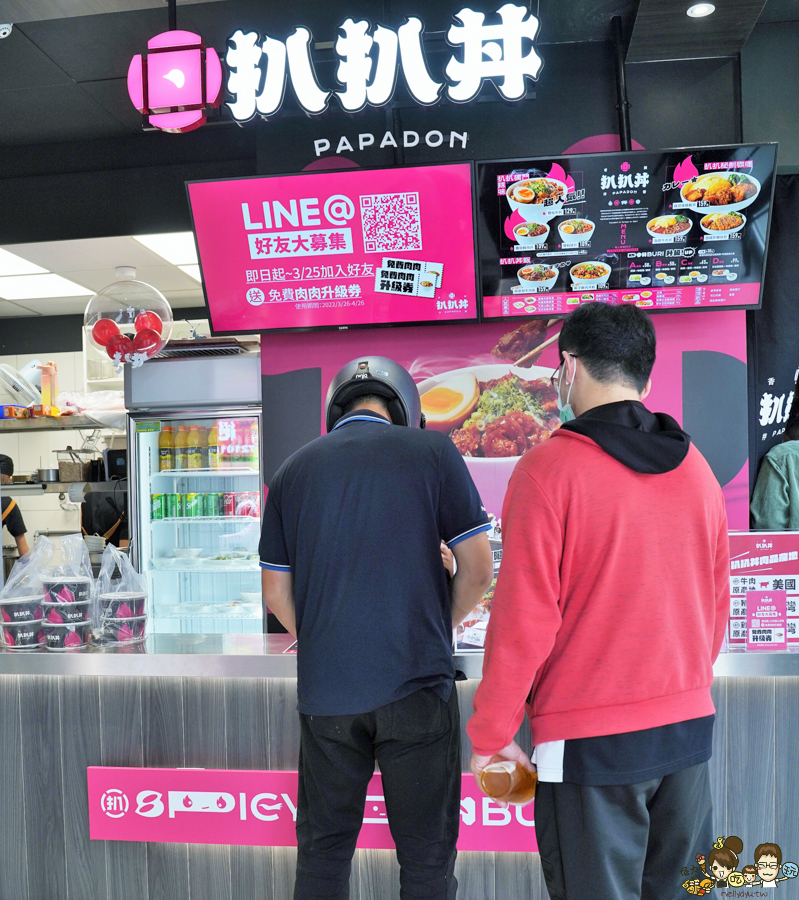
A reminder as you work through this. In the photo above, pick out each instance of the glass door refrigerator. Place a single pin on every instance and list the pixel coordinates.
(196, 492)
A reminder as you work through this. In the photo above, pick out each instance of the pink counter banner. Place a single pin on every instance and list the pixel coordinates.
(259, 808)
(763, 562)
(365, 247)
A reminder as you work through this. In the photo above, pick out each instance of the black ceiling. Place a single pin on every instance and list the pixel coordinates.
(63, 79)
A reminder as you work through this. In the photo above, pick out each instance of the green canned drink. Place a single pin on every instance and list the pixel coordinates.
(174, 506)
(192, 505)
(211, 504)
(157, 506)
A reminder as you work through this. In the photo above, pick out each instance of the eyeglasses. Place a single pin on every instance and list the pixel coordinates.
(555, 376)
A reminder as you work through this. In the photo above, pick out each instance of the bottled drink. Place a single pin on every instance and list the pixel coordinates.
(213, 447)
(255, 442)
(204, 446)
(166, 449)
(181, 450)
(194, 449)
(508, 781)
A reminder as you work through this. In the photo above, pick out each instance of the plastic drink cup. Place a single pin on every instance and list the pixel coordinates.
(508, 781)
(157, 507)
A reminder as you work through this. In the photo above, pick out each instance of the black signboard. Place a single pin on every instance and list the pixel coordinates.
(667, 230)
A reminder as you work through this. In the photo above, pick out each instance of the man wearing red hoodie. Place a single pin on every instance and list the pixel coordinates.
(609, 612)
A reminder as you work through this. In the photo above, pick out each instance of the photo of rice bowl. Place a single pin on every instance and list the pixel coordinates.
(575, 231)
(535, 277)
(492, 413)
(590, 272)
(531, 233)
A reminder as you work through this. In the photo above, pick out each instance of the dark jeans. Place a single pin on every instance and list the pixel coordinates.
(623, 842)
(417, 744)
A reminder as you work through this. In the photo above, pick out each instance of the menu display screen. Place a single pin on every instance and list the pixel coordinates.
(665, 230)
(337, 249)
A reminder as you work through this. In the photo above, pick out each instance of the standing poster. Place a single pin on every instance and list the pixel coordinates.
(665, 230)
(763, 562)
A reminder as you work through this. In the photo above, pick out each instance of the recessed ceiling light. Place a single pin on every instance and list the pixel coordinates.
(176, 247)
(11, 264)
(698, 10)
(193, 271)
(40, 287)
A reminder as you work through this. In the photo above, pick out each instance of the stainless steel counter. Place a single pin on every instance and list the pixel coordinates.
(265, 656)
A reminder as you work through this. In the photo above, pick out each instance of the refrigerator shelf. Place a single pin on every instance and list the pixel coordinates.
(205, 520)
(203, 473)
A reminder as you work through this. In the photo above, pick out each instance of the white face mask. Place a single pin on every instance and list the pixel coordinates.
(565, 409)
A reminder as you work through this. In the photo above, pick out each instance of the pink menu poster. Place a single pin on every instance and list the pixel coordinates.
(766, 620)
(763, 561)
(337, 249)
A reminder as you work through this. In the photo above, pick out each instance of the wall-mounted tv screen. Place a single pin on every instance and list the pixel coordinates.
(337, 249)
(667, 230)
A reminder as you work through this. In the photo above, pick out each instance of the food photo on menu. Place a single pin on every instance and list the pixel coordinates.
(494, 412)
(665, 230)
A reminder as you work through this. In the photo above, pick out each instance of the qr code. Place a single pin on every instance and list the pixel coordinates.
(391, 222)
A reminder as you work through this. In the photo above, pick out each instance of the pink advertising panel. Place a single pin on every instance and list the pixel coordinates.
(337, 249)
(698, 357)
(765, 620)
(259, 808)
(763, 562)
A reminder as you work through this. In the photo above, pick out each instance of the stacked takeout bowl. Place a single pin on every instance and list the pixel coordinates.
(123, 616)
(67, 611)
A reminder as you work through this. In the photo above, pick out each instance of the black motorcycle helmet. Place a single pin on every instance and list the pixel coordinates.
(379, 376)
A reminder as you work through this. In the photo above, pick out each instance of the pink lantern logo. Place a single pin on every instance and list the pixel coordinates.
(175, 81)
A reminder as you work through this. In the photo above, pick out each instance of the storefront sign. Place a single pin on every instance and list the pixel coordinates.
(259, 808)
(434, 138)
(665, 230)
(369, 60)
(307, 251)
(763, 561)
(176, 81)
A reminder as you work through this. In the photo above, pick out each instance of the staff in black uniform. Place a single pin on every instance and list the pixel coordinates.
(352, 565)
(12, 517)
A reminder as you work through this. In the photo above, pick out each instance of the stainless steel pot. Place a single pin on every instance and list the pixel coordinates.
(47, 476)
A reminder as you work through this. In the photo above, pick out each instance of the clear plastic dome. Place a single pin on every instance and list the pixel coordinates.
(128, 320)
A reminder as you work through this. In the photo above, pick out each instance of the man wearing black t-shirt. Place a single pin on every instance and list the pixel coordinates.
(12, 517)
(350, 551)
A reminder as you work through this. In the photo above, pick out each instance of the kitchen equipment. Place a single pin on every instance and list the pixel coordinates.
(47, 476)
(71, 467)
(116, 464)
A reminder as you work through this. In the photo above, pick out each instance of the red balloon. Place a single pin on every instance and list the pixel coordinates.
(149, 320)
(147, 342)
(103, 330)
(120, 345)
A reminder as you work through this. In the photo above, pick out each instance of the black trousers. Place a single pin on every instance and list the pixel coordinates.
(623, 842)
(416, 742)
